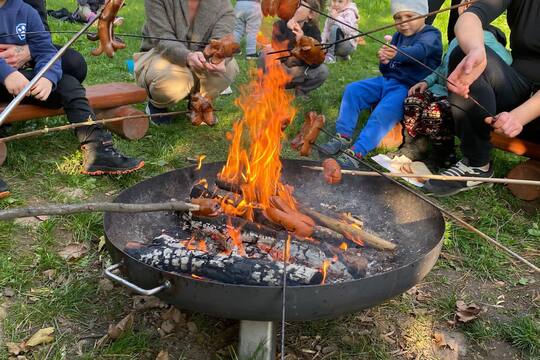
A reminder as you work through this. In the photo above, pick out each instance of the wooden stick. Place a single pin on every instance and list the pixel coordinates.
(61, 209)
(342, 228)
(86, 123)
(435, 177)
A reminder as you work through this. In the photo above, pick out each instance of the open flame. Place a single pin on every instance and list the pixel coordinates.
(326, 264)
(236, 237)
(253, 162)
(200, 159)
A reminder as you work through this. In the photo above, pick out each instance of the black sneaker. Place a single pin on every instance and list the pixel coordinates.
(461, 168)
(158, 120)
(334, 146)
(4, 189)
(348, 160)
(101, 158)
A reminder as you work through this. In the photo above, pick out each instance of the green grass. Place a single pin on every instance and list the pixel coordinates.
(46, 169)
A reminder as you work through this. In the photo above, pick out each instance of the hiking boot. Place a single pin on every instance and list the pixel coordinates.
(349, 160)
(334, 146)
(414, 148)
(442, 156)
(101, 158)
(4, 189)
(461, 168)
(158, 120)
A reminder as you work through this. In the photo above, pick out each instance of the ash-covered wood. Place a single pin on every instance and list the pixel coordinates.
(169, 254)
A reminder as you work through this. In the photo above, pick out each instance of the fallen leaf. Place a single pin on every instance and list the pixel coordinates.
(466, 313)
(168, 326)
(105, 285)
(101, 243)
(49, 274)
(147, 302)
(42, 336)
(13, 348)
(175, 315)
(73, 251)
(163, 355)
(126, 324)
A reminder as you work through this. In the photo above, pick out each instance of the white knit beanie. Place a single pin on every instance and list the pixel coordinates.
(418, 6)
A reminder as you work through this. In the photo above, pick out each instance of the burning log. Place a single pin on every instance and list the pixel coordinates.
(168, 254)
(351, 232)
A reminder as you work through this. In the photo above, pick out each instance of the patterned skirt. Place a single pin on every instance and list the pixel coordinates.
(429, 115)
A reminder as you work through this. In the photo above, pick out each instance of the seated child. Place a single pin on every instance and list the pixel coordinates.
(55, 90)
(346, 12)
(387, 92)
(427, 116)
(305, 78)
(248, 21)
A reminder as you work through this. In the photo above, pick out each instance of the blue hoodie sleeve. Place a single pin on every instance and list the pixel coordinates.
(41, 48)
(426, 44)
(5, 70)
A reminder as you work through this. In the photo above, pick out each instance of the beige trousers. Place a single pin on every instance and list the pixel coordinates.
(167, 83)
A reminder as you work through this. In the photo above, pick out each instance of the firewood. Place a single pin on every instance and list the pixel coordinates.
(168, 254)
(351, 232)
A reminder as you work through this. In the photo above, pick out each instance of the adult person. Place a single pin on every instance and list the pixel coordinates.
(436, 5)
(73, 62)
(171, 70)
(511, 92)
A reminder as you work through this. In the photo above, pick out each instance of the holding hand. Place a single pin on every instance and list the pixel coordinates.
(15, 82)
(196, 61)
(15, 55)
(42, 89)
(215, 68)
(421, 87)
(386, 53)
(467, 71)
(296, 29)
(506, 124)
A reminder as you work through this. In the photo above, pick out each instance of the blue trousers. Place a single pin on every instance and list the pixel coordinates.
(387, 94)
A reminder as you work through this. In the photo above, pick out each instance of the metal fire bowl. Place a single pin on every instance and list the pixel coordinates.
(395, 214)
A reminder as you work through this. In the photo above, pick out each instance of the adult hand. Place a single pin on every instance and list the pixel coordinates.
(467, 71)
(505, 123)
(15, 55)
(296, 29)
(15, 82)
(215, 68)
(421, 87)
(42, 89)
(196, 61)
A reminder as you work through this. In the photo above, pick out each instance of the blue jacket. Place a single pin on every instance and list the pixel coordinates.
(16, 17)
(425, 45)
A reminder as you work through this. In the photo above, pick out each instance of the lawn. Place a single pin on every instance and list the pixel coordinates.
(39, 289)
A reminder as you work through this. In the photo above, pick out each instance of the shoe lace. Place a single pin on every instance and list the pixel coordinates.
(113, 152)
(460, 169)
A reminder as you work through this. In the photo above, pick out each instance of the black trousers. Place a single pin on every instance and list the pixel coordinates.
(70, 95)
(499, 88)
(73, 64)
(436, 5)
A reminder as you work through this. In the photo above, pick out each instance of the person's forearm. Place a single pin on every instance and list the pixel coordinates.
(469, 32)
(529, 110)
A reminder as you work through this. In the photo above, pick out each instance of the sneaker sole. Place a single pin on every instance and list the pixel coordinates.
(113, 172)
(457, 191)
(4, 194)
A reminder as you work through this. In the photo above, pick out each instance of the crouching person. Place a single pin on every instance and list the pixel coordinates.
(170, 71)
(55, 90)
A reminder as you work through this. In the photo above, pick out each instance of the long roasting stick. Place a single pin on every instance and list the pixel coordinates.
(39, 75)
(435, 177)
(61, 209)
(448, 213)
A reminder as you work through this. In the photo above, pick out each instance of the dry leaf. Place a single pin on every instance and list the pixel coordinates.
(105, 285)
(49, 274)
(126, 324)
(42, 336)
(175, 315)
(168, 326)
(440, 341)
(141, 302)
(73, 251)
(163, 355)
(14, 349)
(101, 243)
(466, 313)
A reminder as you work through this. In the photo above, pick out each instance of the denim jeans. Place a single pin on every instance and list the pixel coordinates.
(248, 21)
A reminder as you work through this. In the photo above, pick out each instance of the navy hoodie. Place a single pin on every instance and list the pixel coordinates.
(425, 45)
(16, 17)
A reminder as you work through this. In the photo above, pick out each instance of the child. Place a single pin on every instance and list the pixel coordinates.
(346, 12)
(388, 91)
(305, 78)
(248, 21)
(427, 116)
(55, 90)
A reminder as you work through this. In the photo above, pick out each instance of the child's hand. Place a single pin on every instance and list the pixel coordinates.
(333, 13)
(42, 89)
(389, 51)
(382, 58)
(418, 88)
(15, 82)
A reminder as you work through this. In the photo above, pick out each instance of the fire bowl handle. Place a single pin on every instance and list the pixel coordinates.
(109, 273)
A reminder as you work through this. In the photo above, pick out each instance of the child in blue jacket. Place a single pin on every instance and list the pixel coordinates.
(387, 92)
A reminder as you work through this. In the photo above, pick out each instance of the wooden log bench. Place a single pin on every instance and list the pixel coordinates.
(527, 170)
(107, 100)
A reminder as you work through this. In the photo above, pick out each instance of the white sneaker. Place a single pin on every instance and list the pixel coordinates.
(227, 91)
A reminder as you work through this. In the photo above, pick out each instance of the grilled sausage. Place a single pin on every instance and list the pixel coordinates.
(331, 171)
(107, 42)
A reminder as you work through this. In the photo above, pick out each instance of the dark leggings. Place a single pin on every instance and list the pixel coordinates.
(499, 88)
(436, 5)
(73, 64)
